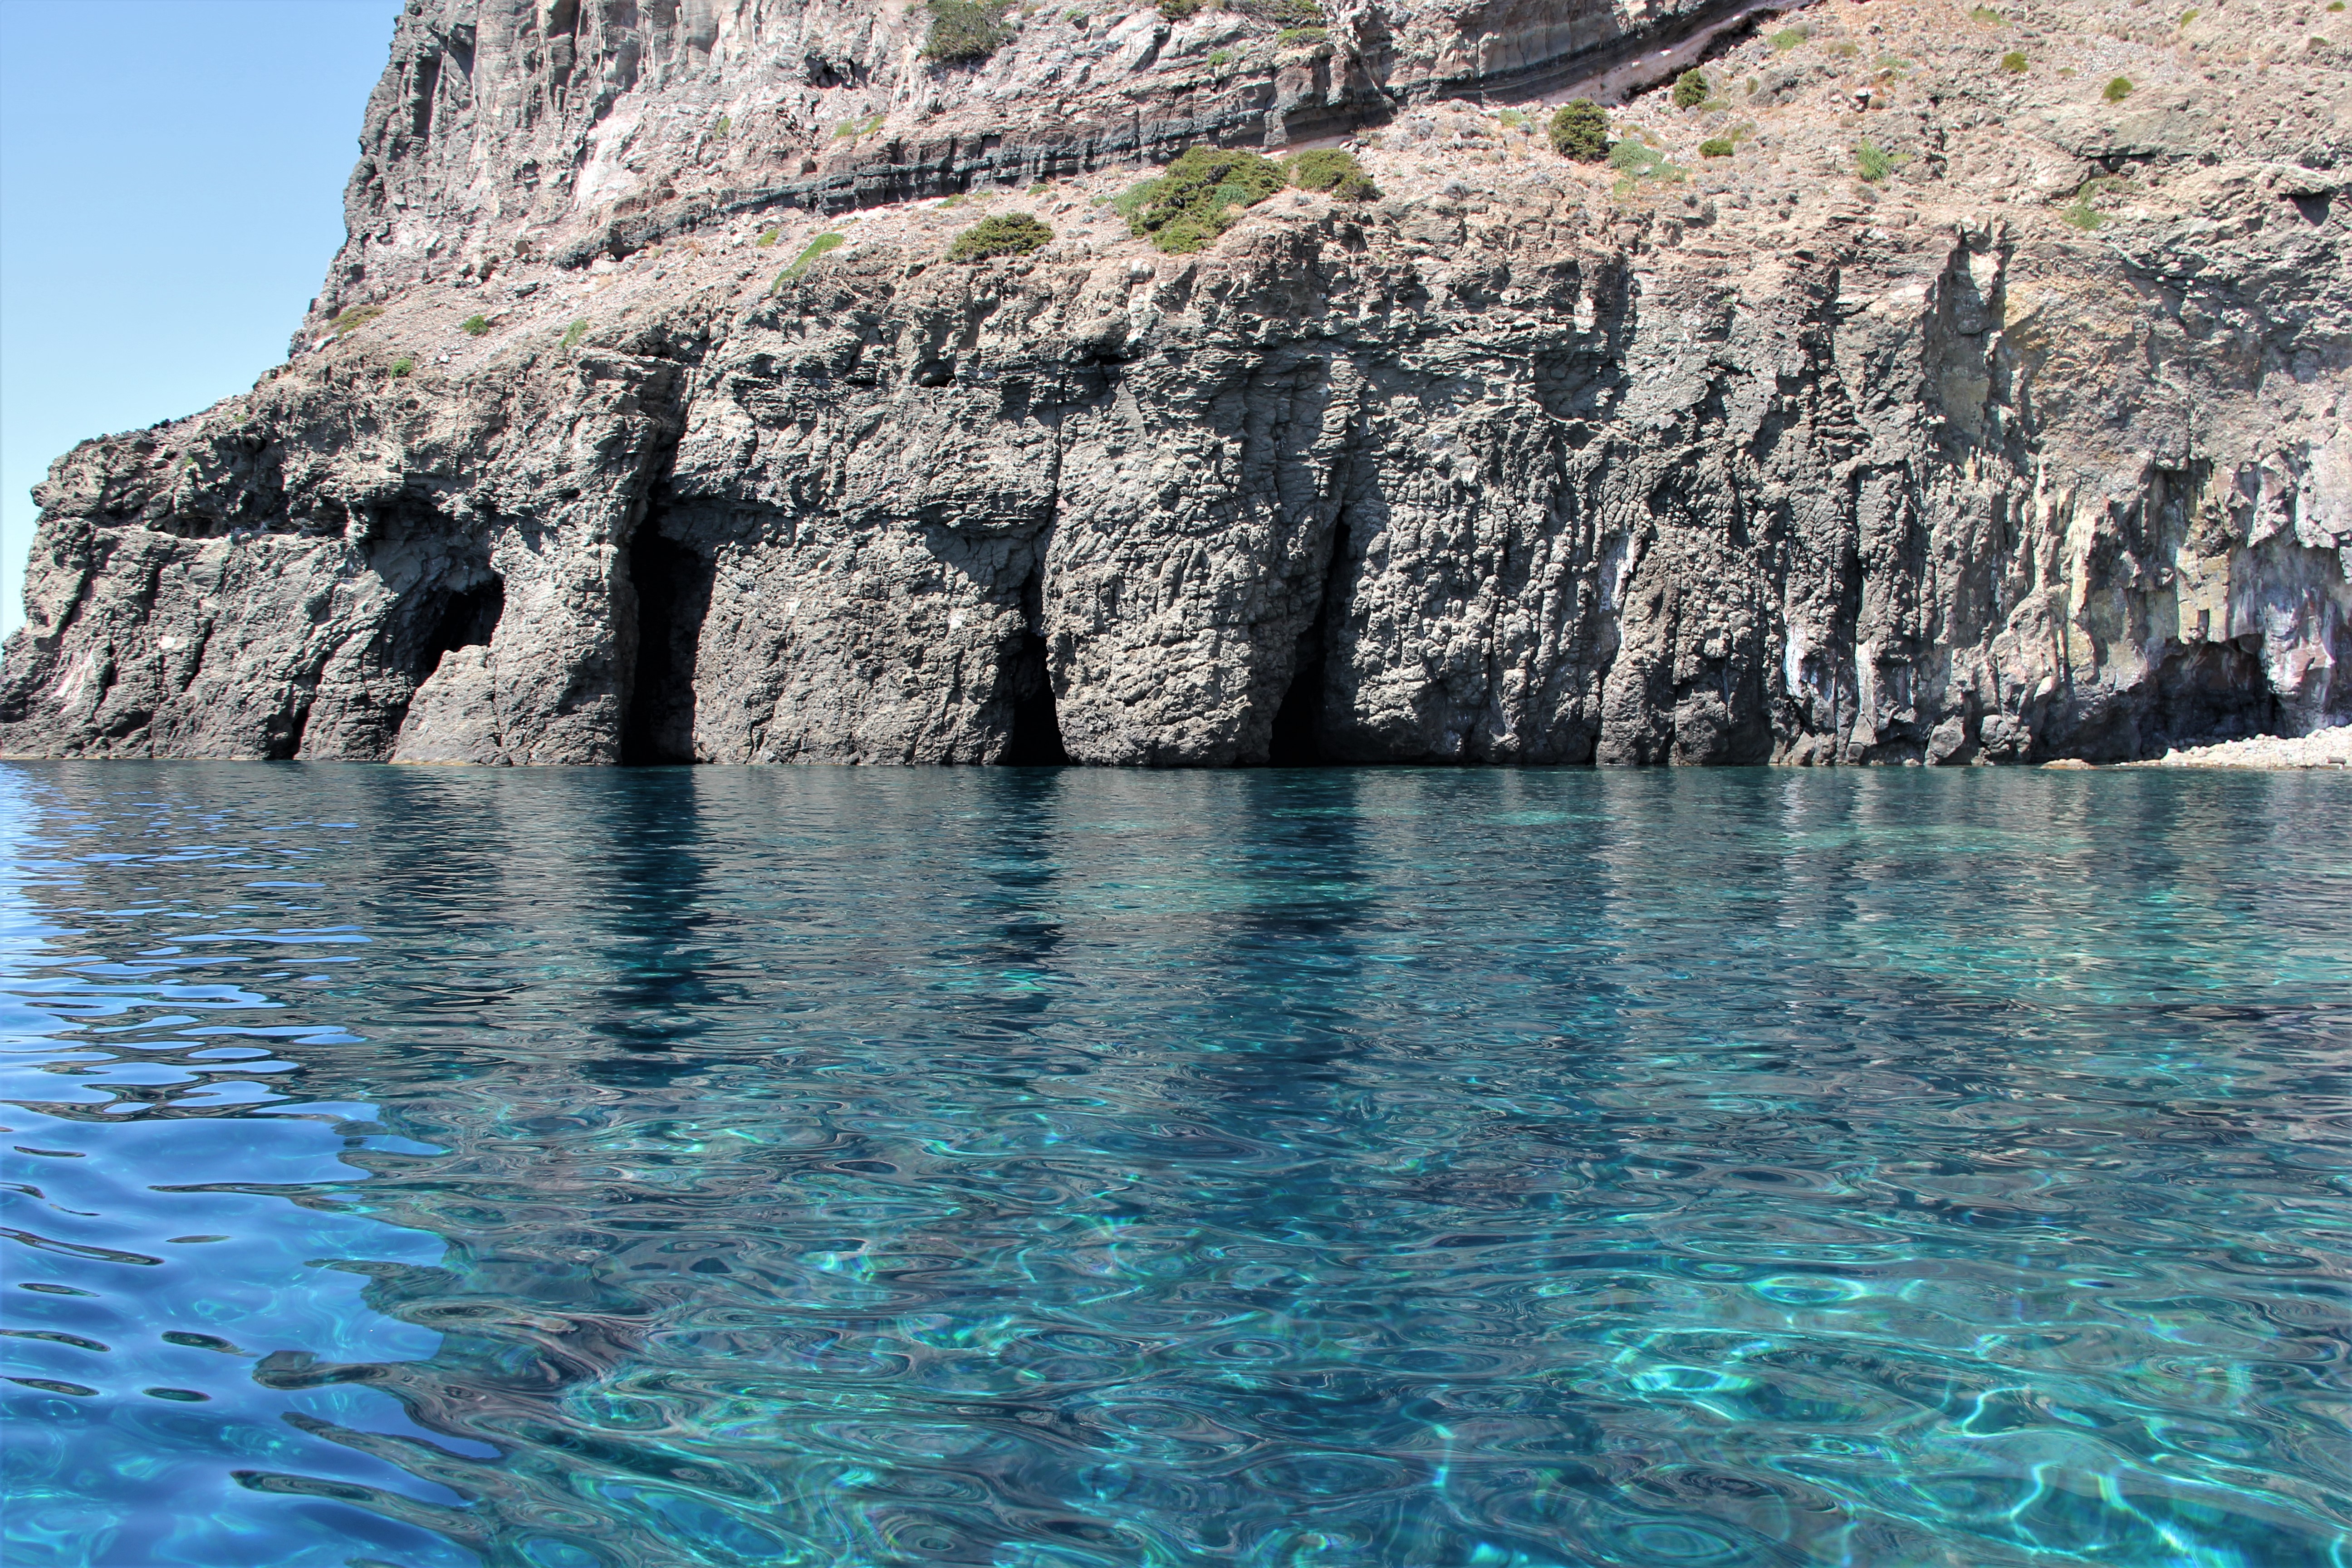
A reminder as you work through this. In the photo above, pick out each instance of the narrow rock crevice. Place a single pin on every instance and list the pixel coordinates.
(1036, 738)
(672, 582)
(1297, 737)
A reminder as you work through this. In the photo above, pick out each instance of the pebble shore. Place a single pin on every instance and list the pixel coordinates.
(2320, 749)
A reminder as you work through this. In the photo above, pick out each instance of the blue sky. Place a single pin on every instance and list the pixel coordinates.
(170, 189)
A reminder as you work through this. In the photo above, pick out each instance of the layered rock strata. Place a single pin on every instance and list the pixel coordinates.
(2032, 444)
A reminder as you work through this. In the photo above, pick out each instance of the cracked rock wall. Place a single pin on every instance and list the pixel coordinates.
(1522, 463)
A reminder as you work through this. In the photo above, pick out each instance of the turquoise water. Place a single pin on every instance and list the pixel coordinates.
(822, 1166)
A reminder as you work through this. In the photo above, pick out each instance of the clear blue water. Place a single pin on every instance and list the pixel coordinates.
(1060, 1168)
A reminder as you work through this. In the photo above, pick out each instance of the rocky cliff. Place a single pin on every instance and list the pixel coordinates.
(1979, 393)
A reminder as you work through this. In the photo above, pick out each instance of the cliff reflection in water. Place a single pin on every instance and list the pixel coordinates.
(734, 1166)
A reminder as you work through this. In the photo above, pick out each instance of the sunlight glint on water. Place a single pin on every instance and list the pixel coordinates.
(579, 1169)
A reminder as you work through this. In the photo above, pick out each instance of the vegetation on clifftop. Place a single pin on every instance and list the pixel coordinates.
(1012, 233)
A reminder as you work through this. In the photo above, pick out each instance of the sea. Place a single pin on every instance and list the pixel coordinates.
(1054, 1168)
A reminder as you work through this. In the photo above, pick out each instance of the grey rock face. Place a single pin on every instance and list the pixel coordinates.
(2006, 459)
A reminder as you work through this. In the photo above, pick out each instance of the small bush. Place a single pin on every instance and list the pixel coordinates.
(1177, 10)
(767, 238)
(1690, 89)
(573, 333)
(1186, 208)
(402, 366)
(1848, 51)
(725, 123)
(2336, 4)
(475, 326)
(1789, 39)
(807, 257)
(353, 319)
(1580, 130)
(2116, 90)
(1077, 19)
(1638, 161)
(1872, 163)
(1717, 147)
(851, 130)
(1333, 171)
(1986, 16)
(2186, 17)
(1300, 14)
(2082, 216)
(1012, 233)
(964, 32)
(1302, 38)
(1220, 59)
(2014, 62)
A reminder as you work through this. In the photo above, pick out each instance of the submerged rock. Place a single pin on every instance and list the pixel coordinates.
(2030, 444)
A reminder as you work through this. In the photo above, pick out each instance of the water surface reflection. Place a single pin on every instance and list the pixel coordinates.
(1052, 1167)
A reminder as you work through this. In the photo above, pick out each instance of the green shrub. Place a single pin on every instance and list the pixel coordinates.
(1177, 10)
(1788, 37)
(767, 238)
(2014, 62)
(1690, 89)
(1580, 130)
(1300, 14)
(1640, 161)
(725, 123)
(2186, 17)
(807, 257)
(1012, 233)
(402, 366)
(1872, 163)
(965, 31)
(1187, 207)
(1717, 147)
(1331, 169)
(1847, 51)
(1986, 16)
(1220, 59)
(1302, 38)
(2082, 216)
(2336, 4)
(851, 130)
(2116, 90)
(572, 334)
(475, 326)
(353, 319)
(1077, 19)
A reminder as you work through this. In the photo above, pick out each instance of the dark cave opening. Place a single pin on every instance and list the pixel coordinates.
(2209, 692)
(672, 592)
(467, 619)
(1297, 737)
(1036, 741)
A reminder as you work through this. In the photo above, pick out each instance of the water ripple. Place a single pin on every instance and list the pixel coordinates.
(672, 1167)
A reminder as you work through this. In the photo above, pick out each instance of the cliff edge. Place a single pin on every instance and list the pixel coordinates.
(1928, 384)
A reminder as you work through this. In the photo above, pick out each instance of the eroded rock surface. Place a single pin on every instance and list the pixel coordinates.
(2034, 447)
